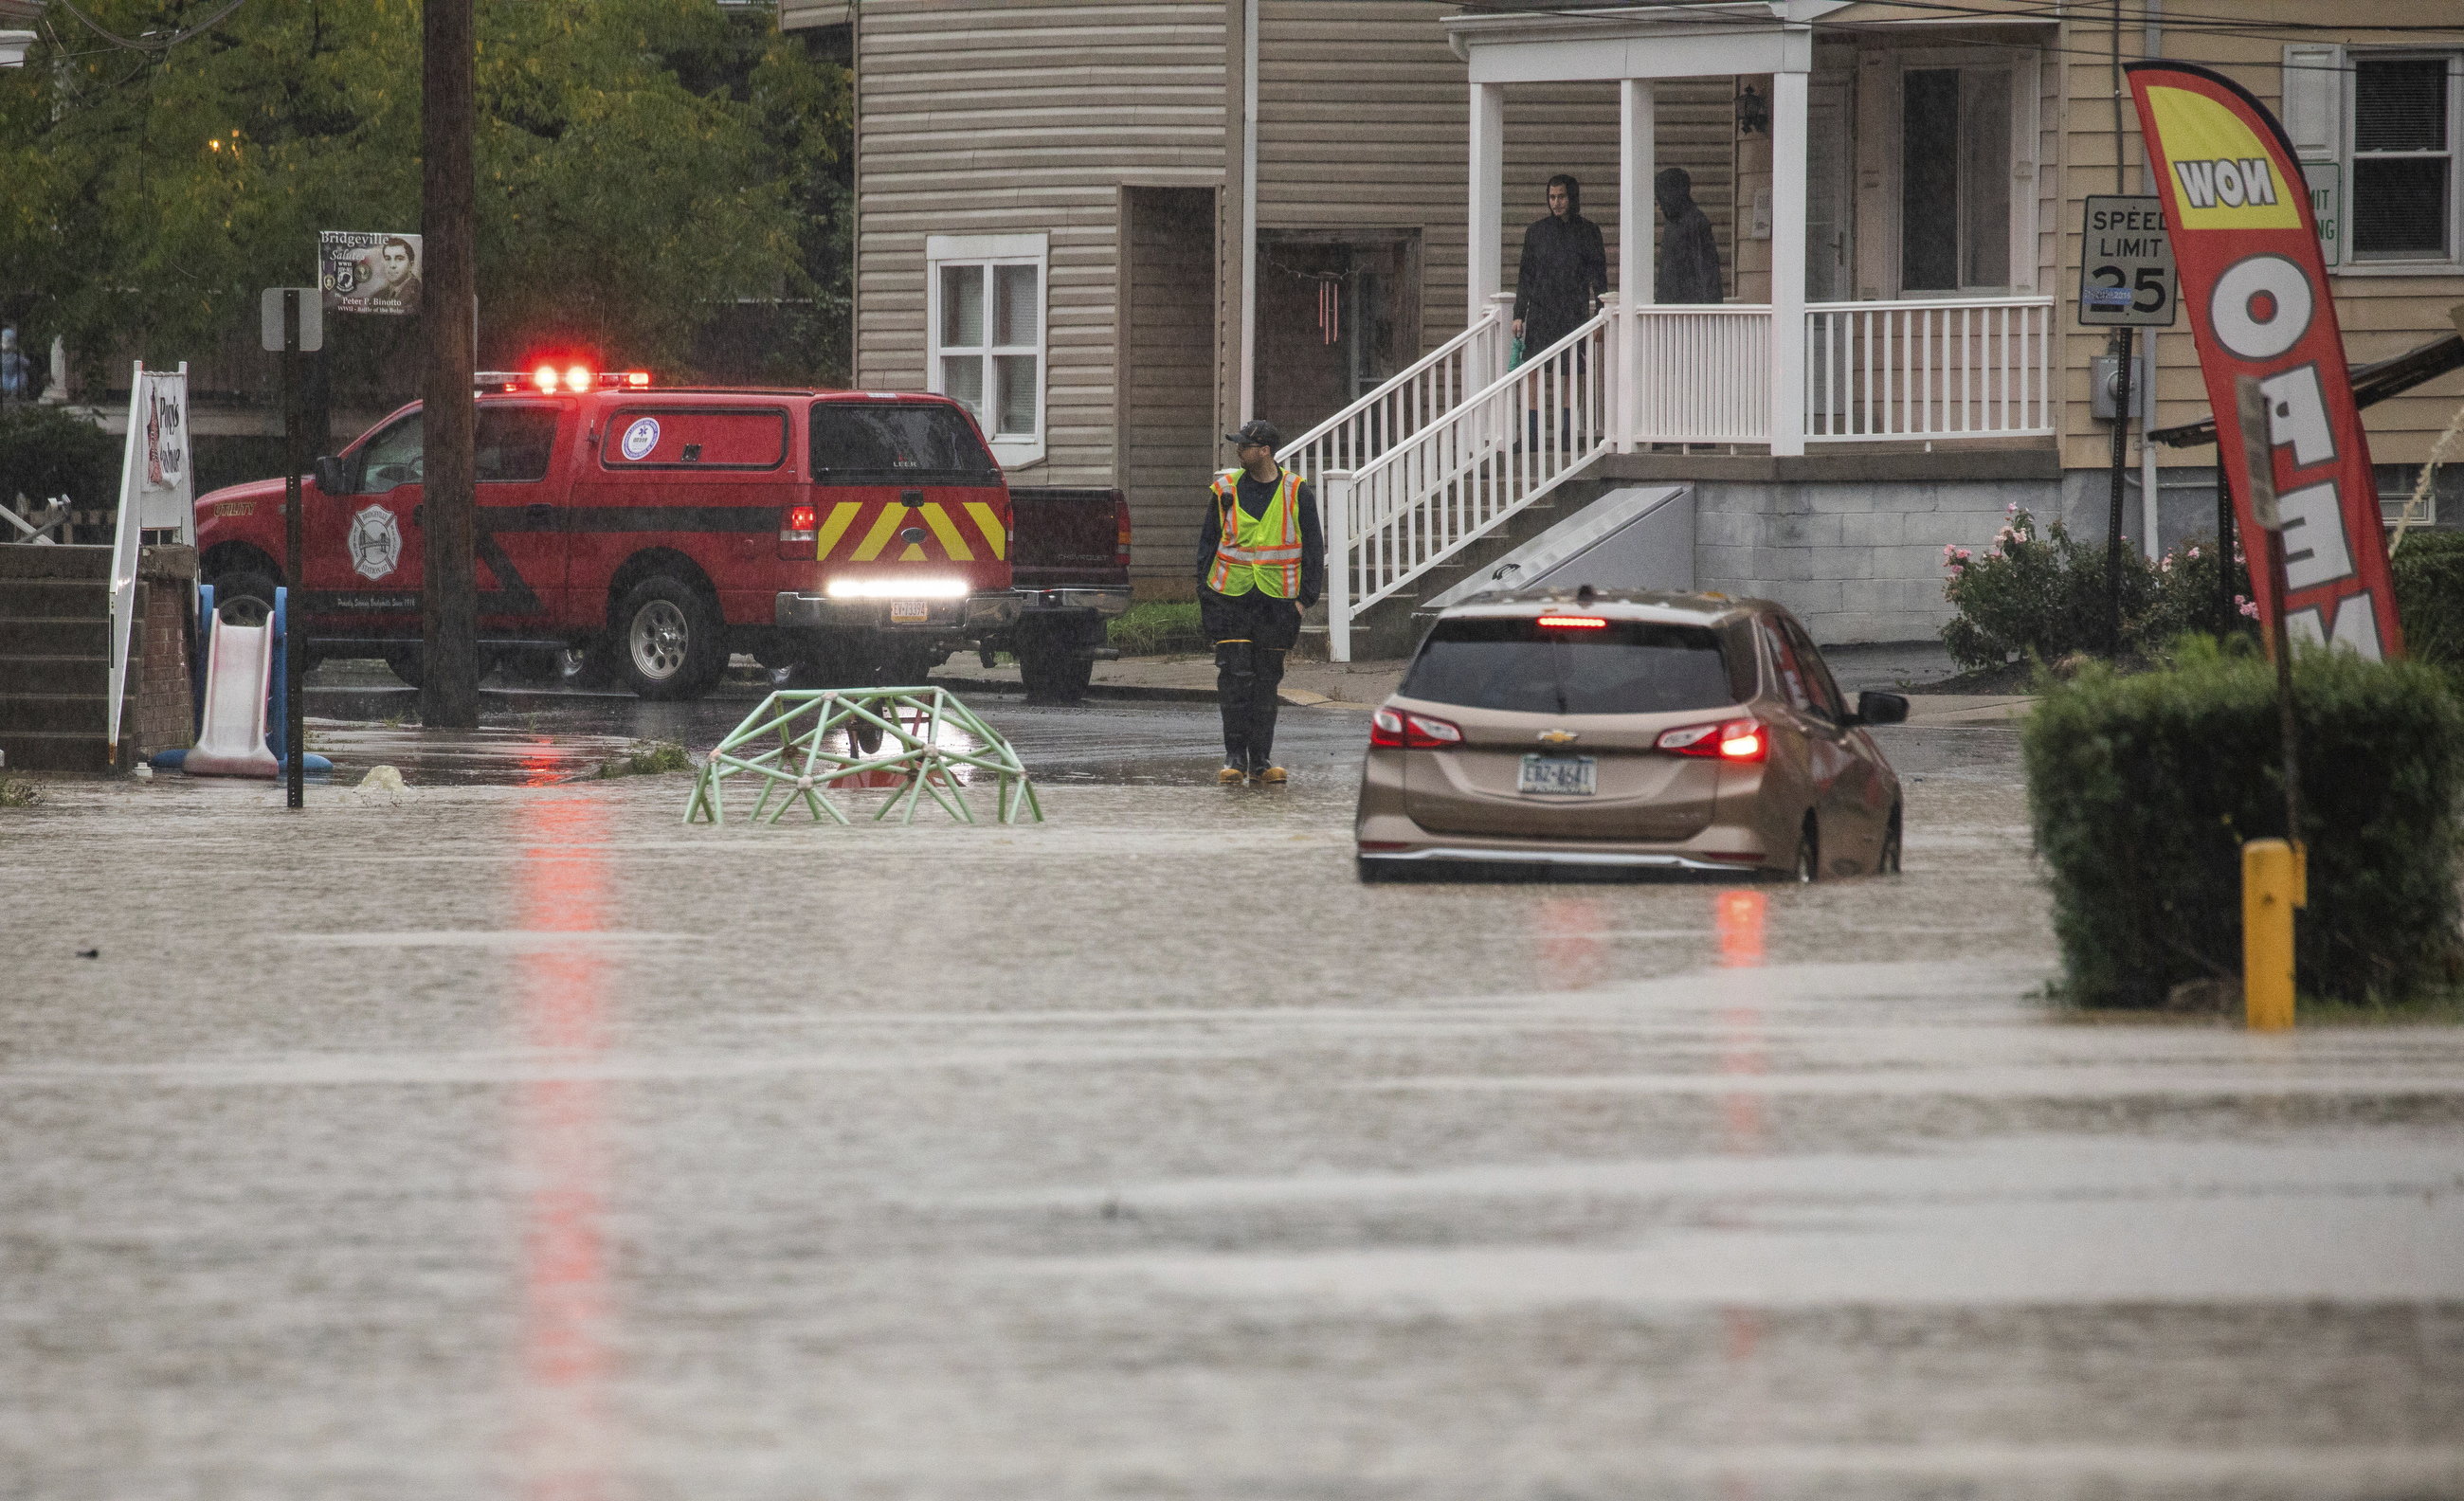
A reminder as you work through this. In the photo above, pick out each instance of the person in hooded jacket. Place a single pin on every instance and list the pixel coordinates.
(1558, 286)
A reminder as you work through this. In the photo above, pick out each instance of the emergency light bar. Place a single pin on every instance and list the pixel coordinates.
(548, 379)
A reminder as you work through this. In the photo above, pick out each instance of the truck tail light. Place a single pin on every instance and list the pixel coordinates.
(1735, 739)
(1398, 729)
(1120, 529)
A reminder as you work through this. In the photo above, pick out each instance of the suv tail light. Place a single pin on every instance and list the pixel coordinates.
(1734, 739)
(799, 525)
(1395, 729)
(1120, 529)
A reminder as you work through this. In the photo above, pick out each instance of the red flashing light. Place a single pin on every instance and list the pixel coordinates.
(544, 377)
(1737, 740)
(1572, 623)
(801, 524)
(578, 378)
(637, 380)
(1397, 730)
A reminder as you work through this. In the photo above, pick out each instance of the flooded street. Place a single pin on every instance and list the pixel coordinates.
(508, 1138)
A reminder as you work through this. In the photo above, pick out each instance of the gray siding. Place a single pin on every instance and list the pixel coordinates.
(1168, 430)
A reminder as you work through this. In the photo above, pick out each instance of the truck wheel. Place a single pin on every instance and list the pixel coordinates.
(244, 581)
(673, 642)
(1052, 667)
(406, 662)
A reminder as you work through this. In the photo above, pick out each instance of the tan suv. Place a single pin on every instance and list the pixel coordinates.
(1580, 732)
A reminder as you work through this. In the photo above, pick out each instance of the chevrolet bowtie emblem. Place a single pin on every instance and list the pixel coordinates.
(1558, 736)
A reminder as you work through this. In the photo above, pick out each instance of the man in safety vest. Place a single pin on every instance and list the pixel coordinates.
(1260, 562)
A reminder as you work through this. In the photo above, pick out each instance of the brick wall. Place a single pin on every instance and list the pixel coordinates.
(165, 714)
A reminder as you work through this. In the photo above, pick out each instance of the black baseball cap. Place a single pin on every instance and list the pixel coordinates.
(1261, 431)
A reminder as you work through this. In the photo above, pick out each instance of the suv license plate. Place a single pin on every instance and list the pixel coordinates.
(1577, 776)
(906, 611)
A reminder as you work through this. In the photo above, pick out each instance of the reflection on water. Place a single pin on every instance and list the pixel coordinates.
(561, 1152)
(1738, 919)
(1573, 948)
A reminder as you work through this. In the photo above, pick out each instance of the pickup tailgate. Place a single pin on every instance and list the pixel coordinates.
(1068, 538)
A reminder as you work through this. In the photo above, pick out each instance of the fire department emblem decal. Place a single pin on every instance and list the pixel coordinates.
(375, 541)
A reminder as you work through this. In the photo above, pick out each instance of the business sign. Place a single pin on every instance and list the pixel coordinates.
(368, 273)
(2325, 180)
(2126, 264)
(157, 492)
(2257, 287)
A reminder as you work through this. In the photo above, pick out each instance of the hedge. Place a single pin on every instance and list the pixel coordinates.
(2142, 789)
(2430, 595)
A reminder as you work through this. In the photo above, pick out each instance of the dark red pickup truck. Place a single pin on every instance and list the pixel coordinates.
(1070, 567)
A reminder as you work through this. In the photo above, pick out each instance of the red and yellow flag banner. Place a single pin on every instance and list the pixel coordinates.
(2257, 290)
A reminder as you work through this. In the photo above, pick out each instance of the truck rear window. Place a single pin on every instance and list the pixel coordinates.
(1631, 667)
(855, 443)
(512, 444)
(695, 437)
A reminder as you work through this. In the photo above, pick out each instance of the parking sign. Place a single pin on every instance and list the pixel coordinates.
(2126, 264)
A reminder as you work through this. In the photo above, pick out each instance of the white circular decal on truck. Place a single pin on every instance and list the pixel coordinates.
(375, 543)
(641, 437)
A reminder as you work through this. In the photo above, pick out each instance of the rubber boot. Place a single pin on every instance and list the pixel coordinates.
(1236, 682)
(1263, 702)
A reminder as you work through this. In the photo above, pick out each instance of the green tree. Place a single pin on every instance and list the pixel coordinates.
(643, 166)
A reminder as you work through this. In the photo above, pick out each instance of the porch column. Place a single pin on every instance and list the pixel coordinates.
(1788, 263)
(1487, 257)
(1638, 153)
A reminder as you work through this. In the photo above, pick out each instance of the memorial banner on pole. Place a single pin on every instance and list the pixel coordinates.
(2246, 241)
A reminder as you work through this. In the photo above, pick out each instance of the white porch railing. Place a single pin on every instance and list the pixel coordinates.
(1430, 494)
(1929, 369)
(1425, 391)
(1697, 375)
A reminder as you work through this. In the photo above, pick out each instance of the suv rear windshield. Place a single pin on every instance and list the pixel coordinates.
(855, 444)
(1629, 667)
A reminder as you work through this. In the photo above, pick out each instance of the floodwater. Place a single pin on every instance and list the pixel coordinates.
(520, 1141)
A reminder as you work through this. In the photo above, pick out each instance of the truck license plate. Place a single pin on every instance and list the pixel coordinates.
(1577, 776)
(908, 611)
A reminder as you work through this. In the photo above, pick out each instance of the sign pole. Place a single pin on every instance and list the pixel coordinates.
(294, 614)
(2224, 548)
(2258, 453)
(2113, 539)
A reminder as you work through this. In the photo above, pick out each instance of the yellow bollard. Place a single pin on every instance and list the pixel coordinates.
(2273, 881)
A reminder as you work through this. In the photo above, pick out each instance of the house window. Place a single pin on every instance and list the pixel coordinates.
(1955, 169)
(2403, 158)
(985, 335)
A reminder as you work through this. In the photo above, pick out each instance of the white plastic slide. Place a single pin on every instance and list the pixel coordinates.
(239, 664)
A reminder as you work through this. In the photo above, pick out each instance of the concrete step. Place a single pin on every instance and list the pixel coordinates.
(53, 599)
(60, 713)
(51, 636)
(79, 750)
(47, 675)
(28, 562)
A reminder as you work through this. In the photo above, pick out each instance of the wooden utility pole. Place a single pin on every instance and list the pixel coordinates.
(448, 688)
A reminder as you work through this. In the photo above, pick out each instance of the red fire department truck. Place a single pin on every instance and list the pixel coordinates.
(645, 533)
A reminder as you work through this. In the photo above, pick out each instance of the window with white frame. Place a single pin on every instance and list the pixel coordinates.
(985, 334)
(2379, 134)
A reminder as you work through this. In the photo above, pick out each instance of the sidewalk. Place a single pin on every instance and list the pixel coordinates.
(1191, 679)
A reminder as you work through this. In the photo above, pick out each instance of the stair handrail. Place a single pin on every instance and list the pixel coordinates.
(1490, 322)
(1342, 487)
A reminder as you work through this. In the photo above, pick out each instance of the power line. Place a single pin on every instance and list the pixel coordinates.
(151, 43)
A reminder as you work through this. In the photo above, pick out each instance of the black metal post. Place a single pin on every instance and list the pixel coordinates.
(295, 612)
(2113, 530)
(2225, 617)
(2274, 542)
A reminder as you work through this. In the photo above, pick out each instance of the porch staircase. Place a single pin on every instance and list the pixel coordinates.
(55, 663)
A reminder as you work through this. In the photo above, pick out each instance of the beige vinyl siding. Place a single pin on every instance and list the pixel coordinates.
(2380, 315)
(981, 117)
(1168, 427)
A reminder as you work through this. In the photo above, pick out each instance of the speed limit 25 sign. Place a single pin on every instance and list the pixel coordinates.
(2126, 264)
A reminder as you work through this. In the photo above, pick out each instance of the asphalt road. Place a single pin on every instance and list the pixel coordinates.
(509, 1137)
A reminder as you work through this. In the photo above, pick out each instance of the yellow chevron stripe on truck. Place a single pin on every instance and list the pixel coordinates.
(996, 536)
(833, 527)
(937, 516)
(883, 530)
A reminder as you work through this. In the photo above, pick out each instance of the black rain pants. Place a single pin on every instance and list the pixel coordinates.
(1250, 633)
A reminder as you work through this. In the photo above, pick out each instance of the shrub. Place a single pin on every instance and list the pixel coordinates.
(2141, 790)
(2430, 598)
(2043, 595)
(646, 759)
(45, 452)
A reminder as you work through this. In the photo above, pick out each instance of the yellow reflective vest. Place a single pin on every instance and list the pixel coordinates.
(1258, 552)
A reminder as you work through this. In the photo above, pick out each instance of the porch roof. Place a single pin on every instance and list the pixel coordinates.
(1674, 40)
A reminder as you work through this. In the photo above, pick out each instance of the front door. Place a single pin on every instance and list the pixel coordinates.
(520, 534)
(1338, 312)
(364, 562)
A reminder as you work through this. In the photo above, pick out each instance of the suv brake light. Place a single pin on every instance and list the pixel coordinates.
(1735, 739)
(1398, 730)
